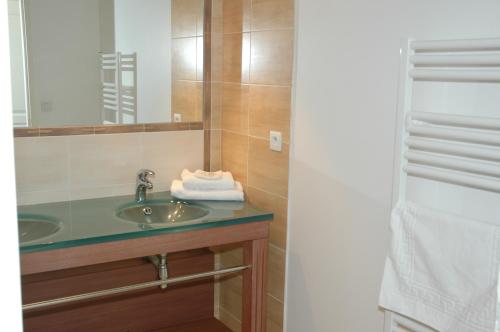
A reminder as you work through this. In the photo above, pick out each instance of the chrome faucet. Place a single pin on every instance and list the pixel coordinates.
(143, 184)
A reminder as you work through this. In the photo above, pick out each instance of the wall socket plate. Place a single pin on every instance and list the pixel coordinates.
(177, 117)
(275, 141)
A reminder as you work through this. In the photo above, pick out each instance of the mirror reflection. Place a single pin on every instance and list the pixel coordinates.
(99, 62)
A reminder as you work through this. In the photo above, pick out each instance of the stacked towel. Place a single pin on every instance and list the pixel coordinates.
(236, 194)
(200, 185)
(200, 180)
(204, 175)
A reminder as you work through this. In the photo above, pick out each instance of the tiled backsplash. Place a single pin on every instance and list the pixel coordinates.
(60, 168)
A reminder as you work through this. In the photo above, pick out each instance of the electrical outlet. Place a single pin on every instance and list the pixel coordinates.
(275, 141)
(177, 117)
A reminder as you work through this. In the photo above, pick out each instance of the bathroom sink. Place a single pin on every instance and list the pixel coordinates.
(160, 212)
(34, 227)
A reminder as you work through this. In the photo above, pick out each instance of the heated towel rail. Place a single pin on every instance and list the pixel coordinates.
(448, 143)
(439, 144)
(460, 150)
(119, 88)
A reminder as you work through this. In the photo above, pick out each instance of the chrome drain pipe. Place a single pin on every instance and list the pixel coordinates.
(124, 289)
(163, 270)
(160, 262)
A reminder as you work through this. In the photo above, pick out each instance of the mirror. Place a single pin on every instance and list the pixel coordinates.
(100, 62)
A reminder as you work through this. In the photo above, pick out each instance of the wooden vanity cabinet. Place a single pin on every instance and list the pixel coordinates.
(139, 311)
(182, 307)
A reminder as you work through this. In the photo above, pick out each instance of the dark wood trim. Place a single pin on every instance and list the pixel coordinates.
(150, 127)
(26, 132)
(196, 126)
(65, 258)
(118, 129)
(254, 286)
(107, 129)
(64, 131)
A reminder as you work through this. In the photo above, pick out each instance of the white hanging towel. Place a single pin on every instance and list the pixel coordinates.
(235, 194)
(442, 270)
(202, 181)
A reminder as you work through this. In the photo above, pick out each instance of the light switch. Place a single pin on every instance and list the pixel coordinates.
(177, 117)
(275, 140)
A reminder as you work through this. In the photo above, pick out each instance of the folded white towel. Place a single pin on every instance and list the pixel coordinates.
(442, 270)
(191, 181)
(235, 194)
(204, 175)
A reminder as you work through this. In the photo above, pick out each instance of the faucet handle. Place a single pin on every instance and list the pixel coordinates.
(144, 173)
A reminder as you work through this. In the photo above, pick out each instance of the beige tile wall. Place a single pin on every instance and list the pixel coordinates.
(252, 62)
(60, 168)
(187, 59)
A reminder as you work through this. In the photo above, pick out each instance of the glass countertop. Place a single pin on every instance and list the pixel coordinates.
(95, 220)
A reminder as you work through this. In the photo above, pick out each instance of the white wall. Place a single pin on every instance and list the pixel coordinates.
(342, 148)
(63, 46)
(144, 27)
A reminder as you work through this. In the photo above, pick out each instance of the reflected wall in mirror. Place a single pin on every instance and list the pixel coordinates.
(98, 62)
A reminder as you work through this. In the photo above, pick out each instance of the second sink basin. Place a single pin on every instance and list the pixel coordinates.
(160, 212)
(36, 227)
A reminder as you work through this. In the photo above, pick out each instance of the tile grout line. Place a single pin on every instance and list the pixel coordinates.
(269, 193)
(252, 136)
(253, 30)
(275, 298)
(250, 17)
(254, 84)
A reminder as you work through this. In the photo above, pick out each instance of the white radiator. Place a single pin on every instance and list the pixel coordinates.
(448, 142)
(119, 88)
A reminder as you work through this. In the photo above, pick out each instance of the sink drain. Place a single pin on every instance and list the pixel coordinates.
(147, 211)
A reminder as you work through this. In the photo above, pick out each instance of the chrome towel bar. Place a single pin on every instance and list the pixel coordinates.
(124, 289)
